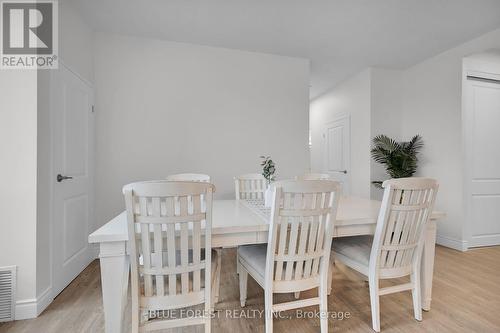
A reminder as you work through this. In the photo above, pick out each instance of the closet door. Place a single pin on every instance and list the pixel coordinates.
(482, 150)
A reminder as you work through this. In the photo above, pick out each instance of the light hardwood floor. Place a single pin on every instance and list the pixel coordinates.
(466, 298)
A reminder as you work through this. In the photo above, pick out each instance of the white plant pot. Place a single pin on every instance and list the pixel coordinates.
(268, 197)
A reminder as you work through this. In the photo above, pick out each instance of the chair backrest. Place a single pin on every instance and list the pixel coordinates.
(250, 186)
(189, 177)
(169, 227)
(302, 220)
(399, 236)
(313, 176)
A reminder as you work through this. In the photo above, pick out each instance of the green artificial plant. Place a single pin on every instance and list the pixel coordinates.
(399, 158)
(268, 168)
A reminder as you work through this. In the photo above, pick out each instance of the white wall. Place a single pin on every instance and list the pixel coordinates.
(351, 97)
(386, 110)
(76, 41)
(165, 107)
(424, 99)
(432, 107)
(18, 148)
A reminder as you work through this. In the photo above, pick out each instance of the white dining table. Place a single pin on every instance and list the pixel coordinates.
(234, 223)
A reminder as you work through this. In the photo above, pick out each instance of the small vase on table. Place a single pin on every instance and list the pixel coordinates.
(268, 196)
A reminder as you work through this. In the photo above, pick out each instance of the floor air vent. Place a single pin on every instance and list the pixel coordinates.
(7, 293)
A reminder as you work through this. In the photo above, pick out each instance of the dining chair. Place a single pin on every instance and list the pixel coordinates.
(313, 176)
(250, 186)
(296, 257)
(316, 176)
(396, 248)
(189, 177)
(169, 230)
(199, 177)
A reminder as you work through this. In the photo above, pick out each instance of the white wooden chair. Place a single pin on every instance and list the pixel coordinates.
(296, 257)
(316, 176)
(199, 177)
(169, 228)
(189, 177)
(250, 186)
(396, 248)
(313, 176)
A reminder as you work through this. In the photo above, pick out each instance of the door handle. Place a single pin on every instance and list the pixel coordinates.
(60, 178)
(342, 171)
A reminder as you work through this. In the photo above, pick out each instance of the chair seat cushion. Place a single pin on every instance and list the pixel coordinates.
(355, 248)
(255, 257)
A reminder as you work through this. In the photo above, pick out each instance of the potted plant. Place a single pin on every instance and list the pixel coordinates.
(400, 158)
(268, 171)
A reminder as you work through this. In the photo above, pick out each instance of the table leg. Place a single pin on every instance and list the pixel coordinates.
(218, 261)
(115, 269)
(427, 268)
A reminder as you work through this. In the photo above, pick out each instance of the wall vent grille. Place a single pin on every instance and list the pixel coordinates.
(7, 293)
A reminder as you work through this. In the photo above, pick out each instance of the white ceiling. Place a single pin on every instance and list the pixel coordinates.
(340, 37)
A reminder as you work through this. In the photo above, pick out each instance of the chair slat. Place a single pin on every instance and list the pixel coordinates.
(292, 245)
(394, 217)
(304, 232)
(190, 267)
(169, 220)
(396, 235)
(146, 247)
(196, 243)
(283, 235)
(409, 222)
(172, 278)
(320, 237)
(158, 246)
(184, 245)
(305, 256)
(313, 232)
(304, 212)
(413, 223)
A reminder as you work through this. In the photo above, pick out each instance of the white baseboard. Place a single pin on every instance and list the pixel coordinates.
(453, 243)
(44, 300)
(485, 240)
(31, 308)
(26, 309)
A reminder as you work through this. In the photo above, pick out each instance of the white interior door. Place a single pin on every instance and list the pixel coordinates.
(482, 120)
(336, 156)
(72, 148)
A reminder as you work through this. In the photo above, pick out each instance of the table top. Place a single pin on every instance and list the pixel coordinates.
(234, 216)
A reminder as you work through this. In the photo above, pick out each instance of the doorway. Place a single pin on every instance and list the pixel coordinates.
(337, 139)
(482, 159)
